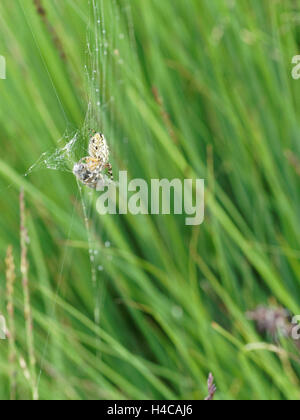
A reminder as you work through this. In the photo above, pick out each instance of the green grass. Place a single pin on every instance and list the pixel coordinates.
(174, 297)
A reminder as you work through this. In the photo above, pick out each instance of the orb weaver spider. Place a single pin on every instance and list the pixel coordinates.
(92, 169)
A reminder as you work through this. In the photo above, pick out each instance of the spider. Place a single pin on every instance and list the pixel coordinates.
(91, 170)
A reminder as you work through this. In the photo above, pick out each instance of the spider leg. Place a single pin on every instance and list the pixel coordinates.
(92, 132)
(109, 170)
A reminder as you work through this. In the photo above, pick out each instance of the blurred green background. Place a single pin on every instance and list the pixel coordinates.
(189, 89)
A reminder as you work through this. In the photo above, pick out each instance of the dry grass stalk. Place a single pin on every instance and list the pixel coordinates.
(56, 40)
(11, 334)
(293, 160)
(27, 307)
(165, 116)
(211, 388)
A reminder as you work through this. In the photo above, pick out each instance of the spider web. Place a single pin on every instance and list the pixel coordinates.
(102, 53)
(103, 71)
